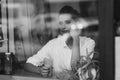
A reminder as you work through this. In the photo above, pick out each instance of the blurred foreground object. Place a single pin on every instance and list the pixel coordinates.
(89, 69)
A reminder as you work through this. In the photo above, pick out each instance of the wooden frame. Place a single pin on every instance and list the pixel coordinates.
(3, 11)
(106, 40)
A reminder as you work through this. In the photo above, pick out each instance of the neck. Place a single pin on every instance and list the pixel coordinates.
(69, 42)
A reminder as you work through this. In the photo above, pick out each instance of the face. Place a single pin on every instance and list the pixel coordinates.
(65, 21)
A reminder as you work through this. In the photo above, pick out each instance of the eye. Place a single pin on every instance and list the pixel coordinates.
(68, 21)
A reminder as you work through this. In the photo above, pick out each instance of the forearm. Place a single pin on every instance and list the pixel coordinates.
(31, 68)
(75, 51)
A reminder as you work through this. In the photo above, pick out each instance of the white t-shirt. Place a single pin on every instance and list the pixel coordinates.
(60, 54)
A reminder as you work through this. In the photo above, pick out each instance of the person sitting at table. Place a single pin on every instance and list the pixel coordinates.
(63, 53)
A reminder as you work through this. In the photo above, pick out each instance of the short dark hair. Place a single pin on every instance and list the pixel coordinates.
(69, 10)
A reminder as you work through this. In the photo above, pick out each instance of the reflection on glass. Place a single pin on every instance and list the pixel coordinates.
(36, 22)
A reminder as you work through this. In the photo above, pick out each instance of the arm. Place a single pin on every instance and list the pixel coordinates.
(75, 48)
(43, 71)
(31, 68)
(75, 52)
(40, 63)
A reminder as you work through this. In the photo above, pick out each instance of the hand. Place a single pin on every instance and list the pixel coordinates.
(44, 71)
(46, 68)
(75, 31)
(76, 27)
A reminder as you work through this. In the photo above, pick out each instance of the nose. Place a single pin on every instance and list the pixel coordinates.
(63, 25)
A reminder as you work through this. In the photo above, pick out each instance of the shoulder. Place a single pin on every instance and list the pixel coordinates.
(53, 41)
(86, 40)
